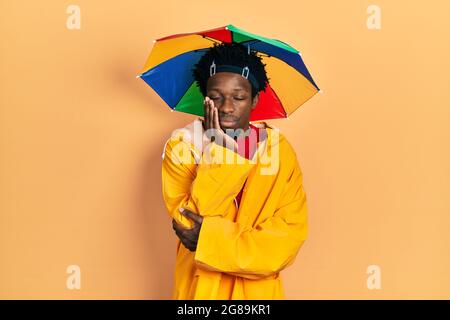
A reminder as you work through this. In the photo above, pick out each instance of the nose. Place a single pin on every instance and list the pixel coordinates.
(226, 107)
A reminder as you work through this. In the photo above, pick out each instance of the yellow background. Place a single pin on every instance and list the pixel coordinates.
(81, 141)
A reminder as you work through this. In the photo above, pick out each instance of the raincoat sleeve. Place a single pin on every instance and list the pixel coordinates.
(264, 249)
(208, 188)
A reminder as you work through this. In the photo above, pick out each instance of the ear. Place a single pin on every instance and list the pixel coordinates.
(255, 101)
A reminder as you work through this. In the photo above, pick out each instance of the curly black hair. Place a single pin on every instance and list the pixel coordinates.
(233, 54)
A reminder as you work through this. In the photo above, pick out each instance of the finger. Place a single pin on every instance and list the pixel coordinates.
(180, 235)
(206, 111)
(178, 227)
(193, 216)
(186, 242)
(190, 235)
(185, 238)
(182, 211)
(211, 105)
(211, 102)
(211, 114)
(216, 118)
(175, 224)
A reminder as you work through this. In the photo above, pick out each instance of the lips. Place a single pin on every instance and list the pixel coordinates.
(228, 120)
(227, 123)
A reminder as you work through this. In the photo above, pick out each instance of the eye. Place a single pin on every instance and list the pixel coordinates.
(240, 98)
(215, 98)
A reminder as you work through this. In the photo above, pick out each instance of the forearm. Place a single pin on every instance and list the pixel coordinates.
(253, 253)
(210, 188)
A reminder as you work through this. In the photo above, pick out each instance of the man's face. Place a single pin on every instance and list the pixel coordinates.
(232, 95)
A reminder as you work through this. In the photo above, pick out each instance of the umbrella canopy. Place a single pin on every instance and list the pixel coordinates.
(168, 71)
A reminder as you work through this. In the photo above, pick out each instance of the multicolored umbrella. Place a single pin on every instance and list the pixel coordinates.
(168, 71)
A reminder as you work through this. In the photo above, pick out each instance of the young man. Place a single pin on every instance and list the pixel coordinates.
(233, 189)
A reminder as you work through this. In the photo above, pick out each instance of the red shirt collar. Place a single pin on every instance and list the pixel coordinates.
(247, 145)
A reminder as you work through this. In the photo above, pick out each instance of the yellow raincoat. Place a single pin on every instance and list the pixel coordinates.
(240, 251)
